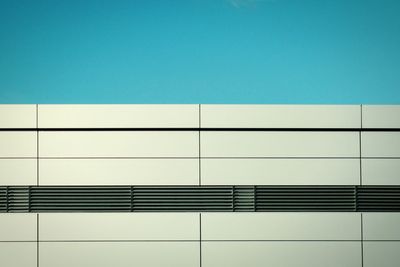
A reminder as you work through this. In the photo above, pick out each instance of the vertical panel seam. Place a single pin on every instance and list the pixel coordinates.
(200, 252)
(200, 240)
(199, 144)
(37, 239)
(37, 182)
(37, 144)
(360, 143)
(362, 242)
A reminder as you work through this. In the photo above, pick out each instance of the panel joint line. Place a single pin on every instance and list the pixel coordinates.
(37, 144)
(199, 144)
(37, 239)
(362, 241)
(200, 240)
(360, 144)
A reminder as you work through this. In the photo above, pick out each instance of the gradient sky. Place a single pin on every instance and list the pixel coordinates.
(200, 51)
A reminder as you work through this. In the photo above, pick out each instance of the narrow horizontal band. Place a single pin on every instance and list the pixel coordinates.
(206, 129)
(257, 198)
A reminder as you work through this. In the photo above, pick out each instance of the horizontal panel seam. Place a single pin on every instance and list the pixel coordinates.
(205, 129)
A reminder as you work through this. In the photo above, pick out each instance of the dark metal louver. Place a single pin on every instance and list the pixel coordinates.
(378, 198)
(305, 198)
(184, 198)
(80, 198)
(14, 199)
(198, 198)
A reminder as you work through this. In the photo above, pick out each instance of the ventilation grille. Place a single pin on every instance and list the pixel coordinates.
(243, 198)
(198, 198)
(3, 199)
(382, 198)
(15, 199)
(301, 198)
(182, 198)
(76, 198)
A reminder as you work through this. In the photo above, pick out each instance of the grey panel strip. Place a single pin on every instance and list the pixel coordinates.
(205, 129)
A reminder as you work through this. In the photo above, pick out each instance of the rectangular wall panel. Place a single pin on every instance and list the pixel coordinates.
(381, 226)
(381, 171)
(281, 226)
(18, 171)
(118, 116)
(119, 144)
(118, 226)
(381, 116)
(281, 254)
(18, 227)
(18, 144)
(18, 254)
(380, 144)
(382, 254)
(119, 254)
(17, 116)
(279, 144)
(280, 116)
(280, 171)
(119, 171)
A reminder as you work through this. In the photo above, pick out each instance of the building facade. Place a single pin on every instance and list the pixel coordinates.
(199, 185)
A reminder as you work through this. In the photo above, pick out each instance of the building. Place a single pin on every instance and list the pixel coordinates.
(199, 185)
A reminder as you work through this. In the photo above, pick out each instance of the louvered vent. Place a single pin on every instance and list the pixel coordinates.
(183, 198)
(3, 199)
(244, 198)
(198, 198)
(14, 199)
(81, 198)
(305, 198)
(378, 198)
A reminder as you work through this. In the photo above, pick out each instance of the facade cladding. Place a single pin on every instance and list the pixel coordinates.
(199, 185)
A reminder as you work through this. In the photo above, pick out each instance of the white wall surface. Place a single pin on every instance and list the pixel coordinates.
(279, 157)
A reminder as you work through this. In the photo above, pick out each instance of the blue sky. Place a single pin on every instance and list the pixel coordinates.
(200, 51)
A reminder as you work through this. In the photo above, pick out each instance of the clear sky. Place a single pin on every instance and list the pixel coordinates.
(200, 51)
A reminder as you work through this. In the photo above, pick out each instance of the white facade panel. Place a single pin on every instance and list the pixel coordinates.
(279, 144)
(119, 144)
(119, 116)
(280, 116)
(280, 171)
